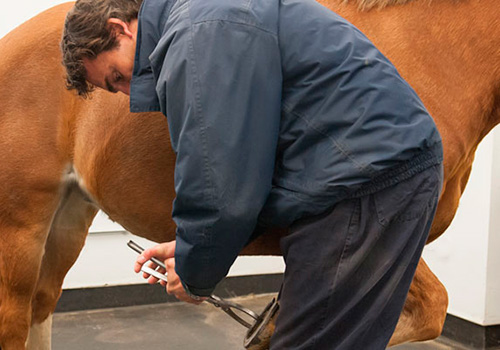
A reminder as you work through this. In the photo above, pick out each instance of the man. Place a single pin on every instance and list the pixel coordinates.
(281, 113)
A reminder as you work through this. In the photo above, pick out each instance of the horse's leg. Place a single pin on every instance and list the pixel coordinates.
(425, 308)
(66, 239)
(40, 335)
(23, 229)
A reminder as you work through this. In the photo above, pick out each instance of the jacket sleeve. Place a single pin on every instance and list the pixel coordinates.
(222, 97)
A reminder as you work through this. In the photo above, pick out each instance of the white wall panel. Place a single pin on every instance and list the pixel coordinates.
(13, 13)
(492, 306)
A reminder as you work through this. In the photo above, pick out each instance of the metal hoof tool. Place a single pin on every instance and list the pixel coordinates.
(242, 315)
(236, 311)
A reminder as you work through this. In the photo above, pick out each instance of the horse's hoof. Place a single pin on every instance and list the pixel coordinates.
(259, 336)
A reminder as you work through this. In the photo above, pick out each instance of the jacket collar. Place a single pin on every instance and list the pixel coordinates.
(151, 21)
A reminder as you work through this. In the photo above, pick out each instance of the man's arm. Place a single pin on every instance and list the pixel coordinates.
(223, 100)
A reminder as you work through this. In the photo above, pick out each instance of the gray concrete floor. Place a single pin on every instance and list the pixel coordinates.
(172, 326)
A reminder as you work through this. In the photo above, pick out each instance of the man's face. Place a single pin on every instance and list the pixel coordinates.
(112, 70)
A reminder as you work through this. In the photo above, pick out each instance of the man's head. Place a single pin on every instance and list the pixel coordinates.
(98, 44)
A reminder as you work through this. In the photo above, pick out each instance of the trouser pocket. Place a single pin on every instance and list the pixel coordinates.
(409, 199)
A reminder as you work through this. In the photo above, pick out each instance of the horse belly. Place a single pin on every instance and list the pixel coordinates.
(126, 165)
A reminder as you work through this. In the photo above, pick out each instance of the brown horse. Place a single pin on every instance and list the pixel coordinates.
(62, 157)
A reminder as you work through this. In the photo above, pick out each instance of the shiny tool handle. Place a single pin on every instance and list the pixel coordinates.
(154, 273)
(139, 250)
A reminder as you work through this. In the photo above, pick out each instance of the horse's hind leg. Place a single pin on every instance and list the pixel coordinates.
(24, 224)
(40, 335)
(425, 308)
(66, 239)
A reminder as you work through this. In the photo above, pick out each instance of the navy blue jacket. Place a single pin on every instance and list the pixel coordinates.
(277, 109)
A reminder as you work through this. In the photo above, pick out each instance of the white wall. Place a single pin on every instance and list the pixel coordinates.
(492, 304)
(13, 13)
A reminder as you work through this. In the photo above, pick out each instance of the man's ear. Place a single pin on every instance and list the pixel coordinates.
(120, 27)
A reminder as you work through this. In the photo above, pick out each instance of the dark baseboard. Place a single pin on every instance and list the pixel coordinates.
(143, 294)
(471, 334)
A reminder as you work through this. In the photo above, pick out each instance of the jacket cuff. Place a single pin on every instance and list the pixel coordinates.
(196, 293)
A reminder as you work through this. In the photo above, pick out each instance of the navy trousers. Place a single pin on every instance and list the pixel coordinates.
(348, 271)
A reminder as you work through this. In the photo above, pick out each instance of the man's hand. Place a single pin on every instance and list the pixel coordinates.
(164, 252)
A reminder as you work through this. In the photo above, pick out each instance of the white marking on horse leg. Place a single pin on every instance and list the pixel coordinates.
(71, 177)
(40, 334)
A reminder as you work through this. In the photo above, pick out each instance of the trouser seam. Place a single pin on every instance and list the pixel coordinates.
(331, 293)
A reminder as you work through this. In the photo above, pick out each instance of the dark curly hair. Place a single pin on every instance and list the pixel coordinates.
(87, 34)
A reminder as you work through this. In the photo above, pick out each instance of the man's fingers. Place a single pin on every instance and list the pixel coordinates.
(164, 252)
(161, 251)
(137, 266)
(153, 280)
(145, 274)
